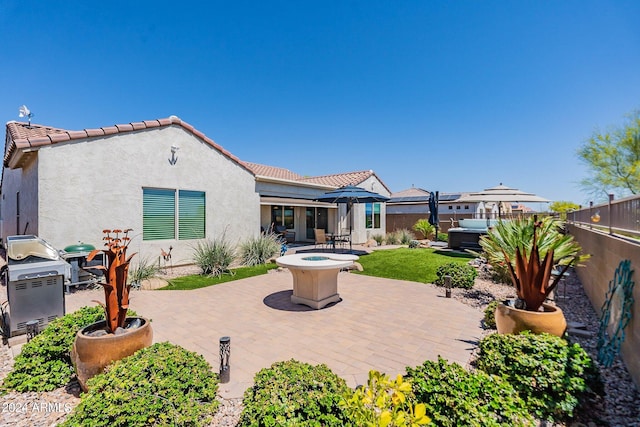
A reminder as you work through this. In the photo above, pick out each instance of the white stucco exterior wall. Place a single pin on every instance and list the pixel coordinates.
(25, 182)
(90, 185)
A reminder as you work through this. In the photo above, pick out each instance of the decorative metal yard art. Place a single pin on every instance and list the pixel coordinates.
(116, 289)
(615, 314)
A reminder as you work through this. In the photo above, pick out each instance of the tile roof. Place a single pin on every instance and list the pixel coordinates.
(272, 171)
(340, 179)
(412, 192)
(23, 136)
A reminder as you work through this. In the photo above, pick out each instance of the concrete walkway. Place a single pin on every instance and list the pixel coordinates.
(380, 324)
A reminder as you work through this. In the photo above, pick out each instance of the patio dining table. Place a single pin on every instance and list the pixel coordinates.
(339, 237)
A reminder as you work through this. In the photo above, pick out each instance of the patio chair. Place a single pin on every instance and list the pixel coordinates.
(321, 238)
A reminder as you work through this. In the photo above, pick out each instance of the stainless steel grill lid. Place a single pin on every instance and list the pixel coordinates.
(20, 248)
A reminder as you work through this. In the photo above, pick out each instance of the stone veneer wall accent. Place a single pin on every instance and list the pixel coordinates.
(606, 253)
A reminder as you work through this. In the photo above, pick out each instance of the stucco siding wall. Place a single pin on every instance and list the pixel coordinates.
(24, 181)
(88, 186)
(606, 253)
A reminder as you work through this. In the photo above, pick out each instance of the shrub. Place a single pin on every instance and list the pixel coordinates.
(384, 402)
(44, 363)
(392, 238)
(294, 393)
(414, 244)
(443, 237)
(159, 385)
(214, 256)
(456, 397)
(257, 250)
(490, 315)
(462, 275)
(145, 269)
(379, 238)
(547, 372)
(423, 226)
(405, 236)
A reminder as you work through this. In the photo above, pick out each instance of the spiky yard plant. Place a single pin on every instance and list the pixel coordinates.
(423, 226)
(529, 249)
(116, 288)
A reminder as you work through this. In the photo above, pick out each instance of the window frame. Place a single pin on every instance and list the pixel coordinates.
(174, 204)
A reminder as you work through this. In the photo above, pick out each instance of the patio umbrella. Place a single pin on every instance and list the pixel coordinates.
(433, 211)
(502, 193)
(351, 194)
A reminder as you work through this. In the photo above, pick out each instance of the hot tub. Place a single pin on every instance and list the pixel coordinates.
(315, 276)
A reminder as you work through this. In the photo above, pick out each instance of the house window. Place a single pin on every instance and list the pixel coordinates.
(163, 218)
(372, 215)
(450, 207)
(457, 206)
(283, 215)
(466, 207)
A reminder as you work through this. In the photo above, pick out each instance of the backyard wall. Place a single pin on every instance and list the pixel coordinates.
(606, 253)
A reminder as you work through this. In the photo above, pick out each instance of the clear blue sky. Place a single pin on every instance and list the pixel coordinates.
(443, 95)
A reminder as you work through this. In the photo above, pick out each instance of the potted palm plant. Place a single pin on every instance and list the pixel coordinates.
(536, 255)
(118, 336)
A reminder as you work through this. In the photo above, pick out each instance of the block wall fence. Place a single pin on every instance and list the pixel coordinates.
(606, 253)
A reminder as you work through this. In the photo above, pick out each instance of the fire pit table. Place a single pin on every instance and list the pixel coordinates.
(315, 277)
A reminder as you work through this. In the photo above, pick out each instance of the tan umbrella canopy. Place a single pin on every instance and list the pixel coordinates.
(502, 193)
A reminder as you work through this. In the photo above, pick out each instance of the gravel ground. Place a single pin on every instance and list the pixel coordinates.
(620, 407)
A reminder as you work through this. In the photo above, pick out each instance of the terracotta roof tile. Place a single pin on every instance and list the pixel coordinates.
(23, 135)
(272, 171)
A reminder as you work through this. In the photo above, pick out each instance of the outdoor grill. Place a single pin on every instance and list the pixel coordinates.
(35, 279)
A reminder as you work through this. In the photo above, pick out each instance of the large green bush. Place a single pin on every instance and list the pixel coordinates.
(456, 397)
(546, 371)
(294, 393)
(161, 385)
(490, 315)
(257, 250)
(462, 275)
(214, 256)
(44, 363)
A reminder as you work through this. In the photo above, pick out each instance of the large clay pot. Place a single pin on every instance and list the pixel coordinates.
(91, 354)
(511, 320)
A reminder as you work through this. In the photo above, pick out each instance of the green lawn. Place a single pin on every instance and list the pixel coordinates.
(196, 281)
(417, 265)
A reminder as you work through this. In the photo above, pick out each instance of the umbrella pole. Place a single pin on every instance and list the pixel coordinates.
(437, 216)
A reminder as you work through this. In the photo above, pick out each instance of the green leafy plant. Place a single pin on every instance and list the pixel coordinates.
(257, 250)
(44, 363)
(529, 249)
(455, 397)
(162, 385)
(462, 275)
(548, 373)
(422, 226)
(443, 237)
(384, 403)
(490, 315)
(214, 256)
(116, 288)
(294, 393)
(145, 269)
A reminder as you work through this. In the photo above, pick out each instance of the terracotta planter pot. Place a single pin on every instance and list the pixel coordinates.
(510, 320)
(90, 355)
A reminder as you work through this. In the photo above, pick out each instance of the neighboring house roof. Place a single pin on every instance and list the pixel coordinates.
(21, 137)
(415, 195)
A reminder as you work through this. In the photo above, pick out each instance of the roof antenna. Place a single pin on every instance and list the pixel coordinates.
(25, 112)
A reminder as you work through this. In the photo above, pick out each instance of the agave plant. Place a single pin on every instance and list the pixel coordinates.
(116, 289)
(530, 250)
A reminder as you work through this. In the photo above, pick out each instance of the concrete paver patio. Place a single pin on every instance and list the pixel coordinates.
(380, 324)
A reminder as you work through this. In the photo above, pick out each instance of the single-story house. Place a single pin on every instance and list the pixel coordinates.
(170, 183)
